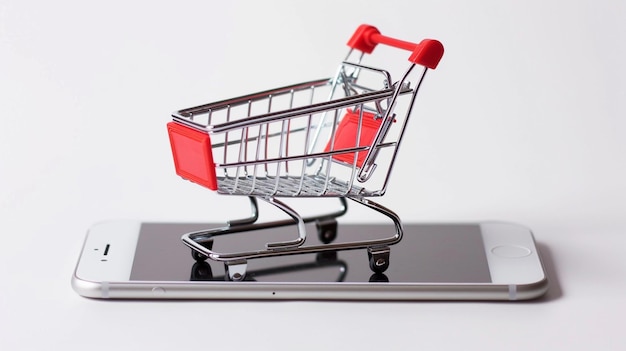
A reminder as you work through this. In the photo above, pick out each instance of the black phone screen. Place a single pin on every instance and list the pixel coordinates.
(437, 253)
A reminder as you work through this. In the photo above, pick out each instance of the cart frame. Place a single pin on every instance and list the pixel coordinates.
(267, 171)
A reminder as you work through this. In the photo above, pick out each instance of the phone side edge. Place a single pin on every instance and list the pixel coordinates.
(86, 288)
(323, 292)
(530, 291)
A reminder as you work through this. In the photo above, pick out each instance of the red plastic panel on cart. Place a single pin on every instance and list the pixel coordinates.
(346, 136)
(193, 157)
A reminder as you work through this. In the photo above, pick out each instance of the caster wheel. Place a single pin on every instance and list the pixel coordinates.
(198, 256)
(378, 259)
(378, 265)
(326, 230)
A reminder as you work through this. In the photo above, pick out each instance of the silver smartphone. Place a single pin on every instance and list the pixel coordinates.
(445, 261)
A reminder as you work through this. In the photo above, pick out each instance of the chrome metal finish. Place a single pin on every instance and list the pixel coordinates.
(236, 269)
(299, 223)
(254, 216)
(286, 142)
(195, 239)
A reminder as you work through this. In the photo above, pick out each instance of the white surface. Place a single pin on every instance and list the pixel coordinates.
(523, 121)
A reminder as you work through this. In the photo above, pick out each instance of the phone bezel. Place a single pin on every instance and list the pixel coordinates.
(110, 279)
(514, 269)
(121, 236)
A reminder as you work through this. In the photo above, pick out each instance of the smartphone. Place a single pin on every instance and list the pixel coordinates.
(433, 261)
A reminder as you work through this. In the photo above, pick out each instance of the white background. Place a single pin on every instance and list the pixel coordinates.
(523, 121)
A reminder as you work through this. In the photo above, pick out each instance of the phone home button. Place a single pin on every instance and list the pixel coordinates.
(156, 291)
(511, 251)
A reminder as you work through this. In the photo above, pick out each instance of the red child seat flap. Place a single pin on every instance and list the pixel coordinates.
(193, 157)
(346, 136)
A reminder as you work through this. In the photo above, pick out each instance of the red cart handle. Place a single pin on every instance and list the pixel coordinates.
(427, 53)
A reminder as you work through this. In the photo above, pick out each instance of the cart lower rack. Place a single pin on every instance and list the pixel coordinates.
(334, 137)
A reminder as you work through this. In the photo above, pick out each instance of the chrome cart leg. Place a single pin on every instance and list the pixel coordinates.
(203, 239)
(254, 207)
(236, 269)
(299, 222)
(208, 242)
(378, 255)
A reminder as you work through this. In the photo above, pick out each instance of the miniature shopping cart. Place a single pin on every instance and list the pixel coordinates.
(335, 137)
